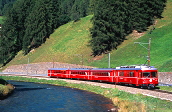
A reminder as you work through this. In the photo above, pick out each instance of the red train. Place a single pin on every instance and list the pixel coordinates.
(142, 75)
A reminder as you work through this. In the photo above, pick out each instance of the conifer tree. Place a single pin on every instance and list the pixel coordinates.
(9, 40)
(109, 26)
(114, 19)
(40, 23)
(5, 5)
(13, 29)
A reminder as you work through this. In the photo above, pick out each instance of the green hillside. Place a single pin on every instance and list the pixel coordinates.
(69, 44)
(129, 53)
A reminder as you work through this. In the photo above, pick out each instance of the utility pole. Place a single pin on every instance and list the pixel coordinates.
(109, 60)
(148, 48)
(28, 65)
(149, 45)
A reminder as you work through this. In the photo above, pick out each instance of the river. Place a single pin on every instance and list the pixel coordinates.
(33, 97)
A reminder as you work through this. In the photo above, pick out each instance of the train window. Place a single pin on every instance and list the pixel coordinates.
(101, 73)
(105, 73)
(73, 72)
(154, 74)
(121, 73)
(131, 74)
(96, 73)
(59, 71)
(81, 73)
(146, 74)
(56, 71)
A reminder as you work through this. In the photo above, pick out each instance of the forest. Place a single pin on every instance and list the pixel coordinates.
(28, 23)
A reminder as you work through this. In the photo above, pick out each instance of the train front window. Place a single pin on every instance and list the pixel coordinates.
(154, 74)
(146, 74)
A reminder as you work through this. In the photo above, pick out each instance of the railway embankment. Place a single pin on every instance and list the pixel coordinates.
(165, 77)
(41, 68)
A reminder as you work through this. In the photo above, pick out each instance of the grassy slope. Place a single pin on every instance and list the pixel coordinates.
(69, 44)
(130, 53)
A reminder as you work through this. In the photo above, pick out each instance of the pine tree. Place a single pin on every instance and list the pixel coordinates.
(5, 5)
(114, 19)
(142, 13)
(13, 29)
(109, 26)
(9, 40)
(40, 23)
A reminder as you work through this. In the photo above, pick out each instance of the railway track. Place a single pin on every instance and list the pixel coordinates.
(156, 93)
(161, 91)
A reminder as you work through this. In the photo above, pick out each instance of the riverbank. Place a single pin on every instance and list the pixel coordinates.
(5, 89)
(123, 100)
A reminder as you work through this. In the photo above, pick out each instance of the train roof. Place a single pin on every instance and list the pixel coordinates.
(69, 68)
(132, 67)
(136, 67)
(102, 69)
(79, 68)
(58, 69)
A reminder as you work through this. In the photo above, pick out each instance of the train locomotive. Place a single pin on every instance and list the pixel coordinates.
(138, 75)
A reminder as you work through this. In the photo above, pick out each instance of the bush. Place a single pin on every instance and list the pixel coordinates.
(5, 88)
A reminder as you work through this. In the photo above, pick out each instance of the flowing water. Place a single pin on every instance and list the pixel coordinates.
(33, 97)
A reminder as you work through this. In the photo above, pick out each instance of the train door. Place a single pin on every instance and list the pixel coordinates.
(116, 76)
(133, 77)
(128, 77)
(121, 76)
(137, 76)
(113, 76)
(88, 75)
